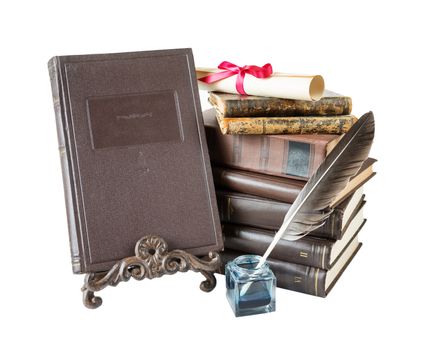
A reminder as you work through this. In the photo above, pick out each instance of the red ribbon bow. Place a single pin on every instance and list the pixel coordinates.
(231, 69)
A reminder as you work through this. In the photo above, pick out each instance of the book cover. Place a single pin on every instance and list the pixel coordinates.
(237, 106)
(132, 147)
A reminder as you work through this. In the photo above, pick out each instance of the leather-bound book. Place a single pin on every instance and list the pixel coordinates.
(132, 146)
(280, 188)
(243, 209)
(294, 156)
(337, 124)
(301, 278)
(309, 250)
(238, 106)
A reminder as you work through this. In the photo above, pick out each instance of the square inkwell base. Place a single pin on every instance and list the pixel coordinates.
(250, 290)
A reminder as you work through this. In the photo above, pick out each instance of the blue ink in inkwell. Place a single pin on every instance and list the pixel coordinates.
(250, 290)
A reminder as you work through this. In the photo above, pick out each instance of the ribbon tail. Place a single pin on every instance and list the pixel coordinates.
(239, 83)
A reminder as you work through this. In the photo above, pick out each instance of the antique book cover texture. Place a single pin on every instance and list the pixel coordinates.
(234, 105)
(286, 125)
(132, 146)
(295, 156)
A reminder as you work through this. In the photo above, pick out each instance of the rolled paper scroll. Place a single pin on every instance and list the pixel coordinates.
(281, 85)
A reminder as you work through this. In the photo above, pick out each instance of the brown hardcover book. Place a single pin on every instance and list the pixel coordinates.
(338, 124)
(301, 278)
(280, 188)
(233, 105)
(295, 156)
(243, 209)
(309, 250)
(132, 146)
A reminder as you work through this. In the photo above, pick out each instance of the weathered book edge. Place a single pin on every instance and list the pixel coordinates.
(286, 125)
(66, 165)
(277, 107)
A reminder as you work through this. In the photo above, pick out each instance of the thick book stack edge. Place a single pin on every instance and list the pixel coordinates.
(301, 278)
(291, 156)
(310, 250)
(235, 106)
(257, 177)
(239, 115)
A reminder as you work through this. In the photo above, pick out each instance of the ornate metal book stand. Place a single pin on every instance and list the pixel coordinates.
(152, 259)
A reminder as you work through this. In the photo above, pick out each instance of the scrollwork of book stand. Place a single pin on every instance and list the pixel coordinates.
(152, 260)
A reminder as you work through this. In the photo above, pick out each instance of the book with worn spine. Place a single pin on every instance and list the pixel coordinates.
(294, 156)
(338, 124)
(131, 137)
(238, 106)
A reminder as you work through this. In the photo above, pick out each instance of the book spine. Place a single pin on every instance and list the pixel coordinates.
(62, 127)
(299, 278)
(308, 251)
(286, 125)
(277, 188)
(269, 155)
(295, 277)
(273, 107)
(267, 214)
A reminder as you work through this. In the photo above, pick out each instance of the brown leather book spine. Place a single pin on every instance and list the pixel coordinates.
(295, 277)
(241, 209)
(232, 106)
(56, 83)
(308, 251)
(272, 187)
(286, 125)
(292, 156)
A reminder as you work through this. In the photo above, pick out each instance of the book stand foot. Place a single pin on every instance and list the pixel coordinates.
(152, 259)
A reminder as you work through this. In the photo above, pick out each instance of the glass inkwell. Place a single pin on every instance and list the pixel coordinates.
(250, 290)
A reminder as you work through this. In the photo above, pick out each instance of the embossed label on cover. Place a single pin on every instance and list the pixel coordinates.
(130, 120)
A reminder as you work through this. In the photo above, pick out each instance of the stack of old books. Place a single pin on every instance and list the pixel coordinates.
(263, 150)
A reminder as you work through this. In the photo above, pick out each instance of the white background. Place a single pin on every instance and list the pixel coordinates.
(369, 50)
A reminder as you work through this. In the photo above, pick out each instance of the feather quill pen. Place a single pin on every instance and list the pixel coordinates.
(313, 204)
